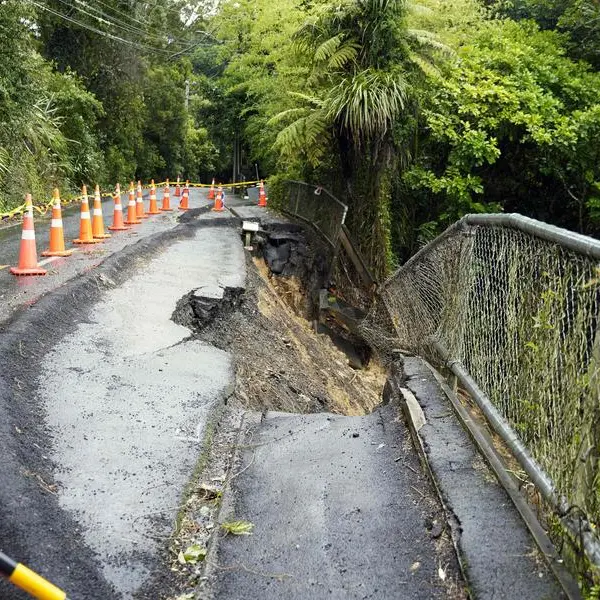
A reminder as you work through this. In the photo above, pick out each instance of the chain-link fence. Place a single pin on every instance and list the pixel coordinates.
(515, 302)
(316, 206)
(348, 273)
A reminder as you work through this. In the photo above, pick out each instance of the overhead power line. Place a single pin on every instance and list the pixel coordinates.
(121, 12)
(138, 45)
(106, 19)
(118, 38)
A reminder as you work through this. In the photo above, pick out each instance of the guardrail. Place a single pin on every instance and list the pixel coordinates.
(511, 306)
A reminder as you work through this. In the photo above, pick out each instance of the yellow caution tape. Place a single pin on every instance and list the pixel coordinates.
(224, 185)
(44, 208)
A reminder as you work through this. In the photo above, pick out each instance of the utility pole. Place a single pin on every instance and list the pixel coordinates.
(187, 94)
(235, 166)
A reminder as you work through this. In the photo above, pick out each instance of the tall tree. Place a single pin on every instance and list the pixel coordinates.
(364, 61)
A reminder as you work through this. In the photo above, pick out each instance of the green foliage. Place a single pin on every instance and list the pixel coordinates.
(192, 555)
(238, 527)
(96, 95)
(413, 114)
(510, 115)
(46, 119)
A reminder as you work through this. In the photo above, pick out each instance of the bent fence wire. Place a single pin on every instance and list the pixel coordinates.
(317, 206)
(520, 312)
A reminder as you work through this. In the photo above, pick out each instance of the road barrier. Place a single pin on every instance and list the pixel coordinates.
(43, 209)
(92, 230)
(85, 222)
(153, 207)
(57, 236)
(118, 223)
(28, 263)
(166, 203)
(184, 203)
(98, 230)
(262, 196)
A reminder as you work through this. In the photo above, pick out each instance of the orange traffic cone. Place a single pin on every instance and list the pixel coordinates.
(177, 189)
(57, 238)
(211, 192)
(28, 264)
(262, 196)
(184, 204)
(139, 204)
(132, 218)
(153, 210)
(218, 207)
(166, 203)
(97, 217)
(85, 222)
(118, 224)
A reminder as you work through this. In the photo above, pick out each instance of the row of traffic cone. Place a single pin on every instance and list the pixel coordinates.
(135, 206)
(91, 228)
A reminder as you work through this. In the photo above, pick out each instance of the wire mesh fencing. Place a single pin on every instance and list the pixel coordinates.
(326, 214)
(520, 312)
(316, 206)
(513, 301)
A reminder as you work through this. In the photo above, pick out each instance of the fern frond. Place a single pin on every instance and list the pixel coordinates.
(312, 100)
(426, 66)
(342, 56)
(328, 48)
(290, 139)
(429, 40)
(283, 115)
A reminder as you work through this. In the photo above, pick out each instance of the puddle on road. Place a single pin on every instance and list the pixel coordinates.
(127, 397)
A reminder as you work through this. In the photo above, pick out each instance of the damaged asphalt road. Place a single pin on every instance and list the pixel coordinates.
(15, 291)
(113, 393)
(106, 399)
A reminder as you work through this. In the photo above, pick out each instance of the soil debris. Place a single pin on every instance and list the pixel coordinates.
(281, 363)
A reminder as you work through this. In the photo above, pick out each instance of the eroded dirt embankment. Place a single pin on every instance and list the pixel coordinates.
(281, 363)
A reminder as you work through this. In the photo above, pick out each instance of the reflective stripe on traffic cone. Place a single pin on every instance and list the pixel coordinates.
(184, 203)
(28, 264)
(177, 189)
(28, 581)
(153, 210)
(85, 221)
(218, 207)
(262, 196)
(166, 203)
(118, 224)
(211, 192)
(139, 203)
(98, 218)
(57, 238)
(131, 208)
